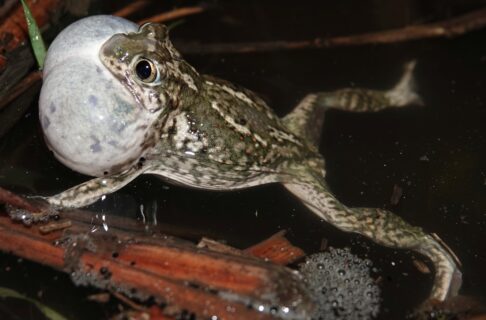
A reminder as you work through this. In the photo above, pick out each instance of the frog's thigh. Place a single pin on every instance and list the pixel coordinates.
(383, 227)
(90, 191)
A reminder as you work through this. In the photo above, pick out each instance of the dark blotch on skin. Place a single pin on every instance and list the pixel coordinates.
(46, 122)
(96, 146)
(93, 101)
(52, 107)
(113, 143)
(172, 129)
(241, 121)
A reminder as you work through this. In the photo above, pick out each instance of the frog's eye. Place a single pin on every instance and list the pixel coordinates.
(146, 70)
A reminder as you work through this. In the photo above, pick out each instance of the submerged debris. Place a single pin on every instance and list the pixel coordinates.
(341, 284)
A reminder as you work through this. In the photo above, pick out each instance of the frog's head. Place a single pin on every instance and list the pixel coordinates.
(107, 83)
(149, 66)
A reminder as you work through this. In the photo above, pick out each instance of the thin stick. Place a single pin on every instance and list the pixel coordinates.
(21, 87)
(444, 29)
(132, 304)
(131, 8)
(174, 14)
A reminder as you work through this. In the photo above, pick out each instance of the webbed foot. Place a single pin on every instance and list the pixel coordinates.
(448, 277)
(403, 93)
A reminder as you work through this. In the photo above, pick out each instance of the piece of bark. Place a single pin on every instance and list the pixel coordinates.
(12, 199)
(175, 273)
(276, 249)
(13, 30)
(217, 246)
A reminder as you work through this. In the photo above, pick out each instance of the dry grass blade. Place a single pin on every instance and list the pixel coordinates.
(38, 45)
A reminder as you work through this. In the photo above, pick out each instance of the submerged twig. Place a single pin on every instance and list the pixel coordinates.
(171, 15)
(131, 8)
(444, 29)
(20, 88)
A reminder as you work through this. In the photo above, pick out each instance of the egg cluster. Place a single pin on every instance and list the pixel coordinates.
(341, 285)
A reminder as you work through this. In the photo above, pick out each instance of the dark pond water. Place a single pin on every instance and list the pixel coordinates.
(435, 153)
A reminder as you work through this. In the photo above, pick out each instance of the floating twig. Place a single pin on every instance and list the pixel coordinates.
(131, 8)
(20, 88)
(444, 29)
(171, 15)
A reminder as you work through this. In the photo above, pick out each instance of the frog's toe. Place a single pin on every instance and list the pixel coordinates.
(448, 277)
(456, 283)
(404, 93)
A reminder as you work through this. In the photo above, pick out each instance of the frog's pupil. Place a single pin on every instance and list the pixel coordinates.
(144, 69)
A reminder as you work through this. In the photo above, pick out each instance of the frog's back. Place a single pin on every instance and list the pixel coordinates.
(232, 125)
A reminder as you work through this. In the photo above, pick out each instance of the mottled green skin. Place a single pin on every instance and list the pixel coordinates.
(203, 120)
(211, 134)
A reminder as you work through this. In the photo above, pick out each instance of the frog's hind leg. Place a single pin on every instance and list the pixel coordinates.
(307, 118)
(382, 226)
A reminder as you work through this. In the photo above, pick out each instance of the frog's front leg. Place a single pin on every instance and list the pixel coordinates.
(380, 225)
(90, 191)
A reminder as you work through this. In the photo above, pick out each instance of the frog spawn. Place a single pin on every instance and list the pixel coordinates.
(341, 284)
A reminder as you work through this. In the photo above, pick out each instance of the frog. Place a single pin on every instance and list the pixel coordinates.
(164, 118)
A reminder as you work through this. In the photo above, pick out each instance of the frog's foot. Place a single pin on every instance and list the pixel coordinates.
(448, 277)
(403, 94)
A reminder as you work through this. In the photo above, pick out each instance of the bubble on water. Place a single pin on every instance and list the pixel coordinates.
(342, 285)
